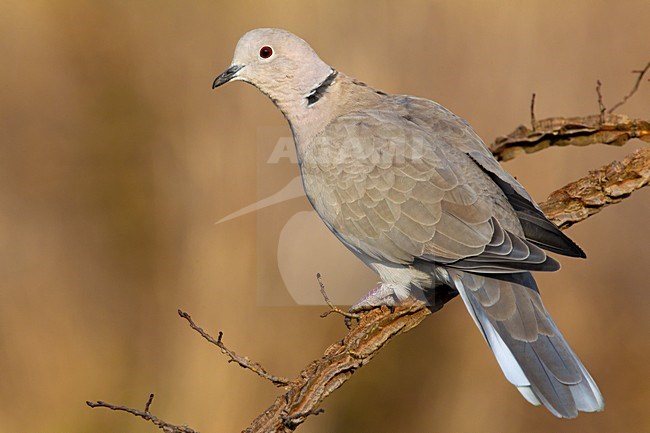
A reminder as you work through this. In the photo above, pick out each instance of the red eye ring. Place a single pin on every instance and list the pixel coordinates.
(266, 52)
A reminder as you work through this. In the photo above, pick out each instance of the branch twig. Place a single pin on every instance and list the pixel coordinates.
(243, 362)
(601, 105)
(333, 308)
(147, 406)
(533, 122)
(146, 415)
(634, 88)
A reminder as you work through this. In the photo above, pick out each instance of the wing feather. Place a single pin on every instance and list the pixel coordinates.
(432, 202)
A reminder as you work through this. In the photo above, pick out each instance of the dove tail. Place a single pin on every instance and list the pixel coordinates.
(529, 347)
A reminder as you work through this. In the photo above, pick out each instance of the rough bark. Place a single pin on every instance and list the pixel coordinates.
(609, 184)
(611, 129)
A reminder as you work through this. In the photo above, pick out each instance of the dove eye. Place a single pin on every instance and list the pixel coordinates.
(266, 52)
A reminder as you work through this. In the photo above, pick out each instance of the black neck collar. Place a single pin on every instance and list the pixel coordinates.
(320, 90)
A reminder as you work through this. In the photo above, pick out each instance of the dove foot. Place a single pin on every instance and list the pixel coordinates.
(382, 294)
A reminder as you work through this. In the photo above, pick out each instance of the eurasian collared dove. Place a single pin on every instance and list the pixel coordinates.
(412, 191)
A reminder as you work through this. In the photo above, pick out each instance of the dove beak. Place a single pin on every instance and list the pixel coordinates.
(227, 75)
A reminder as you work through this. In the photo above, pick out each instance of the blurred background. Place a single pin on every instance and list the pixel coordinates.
(116, 160)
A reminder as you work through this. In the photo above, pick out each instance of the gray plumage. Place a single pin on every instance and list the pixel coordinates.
(411, 190)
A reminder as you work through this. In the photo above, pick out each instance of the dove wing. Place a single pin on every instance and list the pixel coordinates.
(391, 190)
(458, 133)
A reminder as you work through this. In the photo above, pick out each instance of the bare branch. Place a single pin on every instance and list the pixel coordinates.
(634, 88)
(615, 130)
(148, 405)
(607, 185)
(243, 361)
(601, 105)
(533, 122)
(146, 415)
(333, 308)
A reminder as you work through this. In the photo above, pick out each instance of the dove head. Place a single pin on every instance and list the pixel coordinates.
(281, 65)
